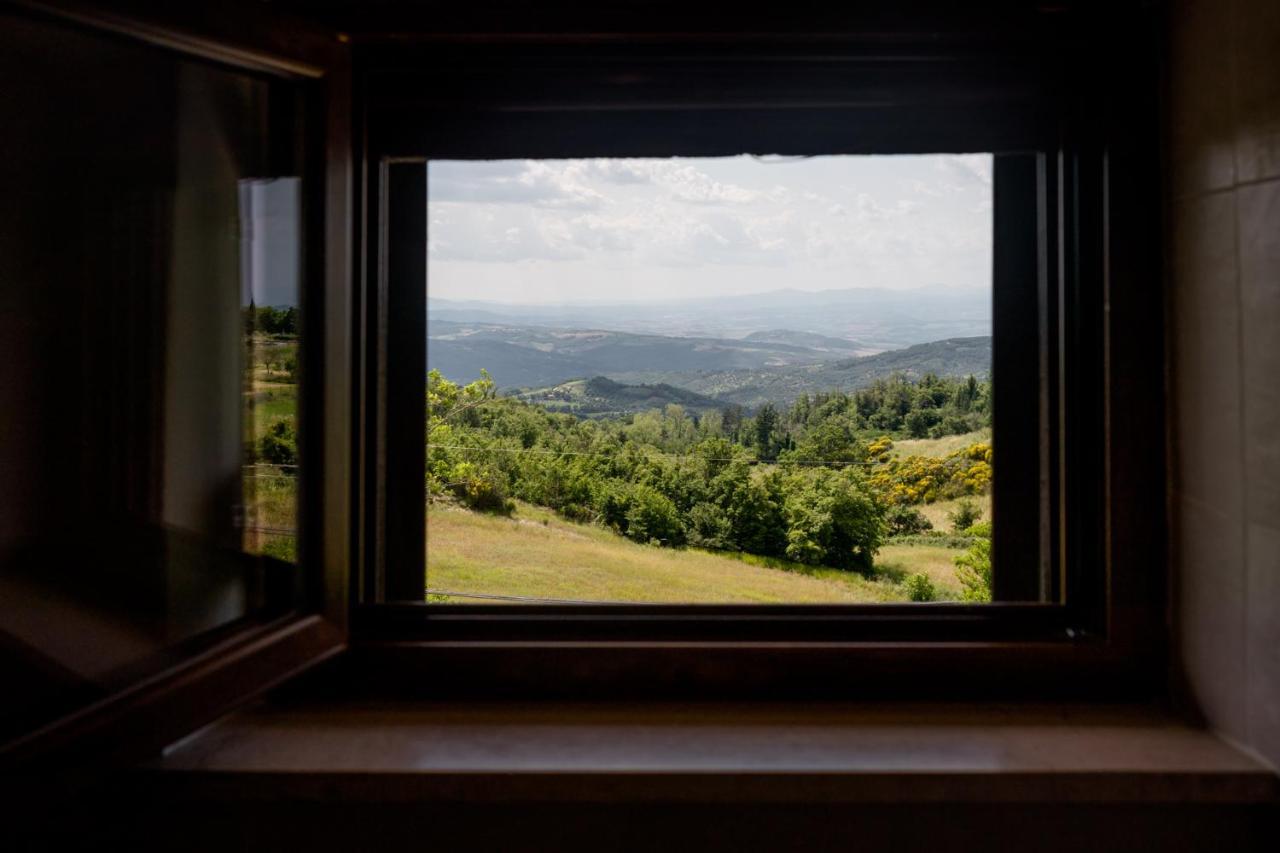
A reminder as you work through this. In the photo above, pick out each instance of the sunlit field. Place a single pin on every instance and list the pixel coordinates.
(536, 555)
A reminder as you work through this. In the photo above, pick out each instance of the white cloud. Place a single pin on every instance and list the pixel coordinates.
(730, 225)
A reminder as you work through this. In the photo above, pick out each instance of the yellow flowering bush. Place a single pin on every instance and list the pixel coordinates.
(925, 479)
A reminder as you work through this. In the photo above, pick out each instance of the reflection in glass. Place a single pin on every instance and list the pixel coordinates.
(149, 436)
(269, 247)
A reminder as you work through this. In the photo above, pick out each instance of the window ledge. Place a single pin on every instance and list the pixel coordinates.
(669, 753)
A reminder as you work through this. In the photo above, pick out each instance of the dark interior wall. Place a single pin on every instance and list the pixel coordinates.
(1223, 218)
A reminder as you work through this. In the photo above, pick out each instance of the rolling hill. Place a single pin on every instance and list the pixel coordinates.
(538, 356)
(537, 555)
(602, 397)
(812, 340)
(780, 385)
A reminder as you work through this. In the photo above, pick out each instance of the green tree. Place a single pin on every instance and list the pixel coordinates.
(973, 567)
(754, 508)
(652, 517)
(709, 527)
(830, 441)
(903, 520)
(766, 424)
(833, 520)
(919, 421)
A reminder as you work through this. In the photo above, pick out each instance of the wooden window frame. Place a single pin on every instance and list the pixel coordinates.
(214, 673)
(1076, 215)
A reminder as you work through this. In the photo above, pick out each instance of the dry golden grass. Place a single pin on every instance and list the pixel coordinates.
(902, 561)
(938, 511)
(939, 446)
(536, 554)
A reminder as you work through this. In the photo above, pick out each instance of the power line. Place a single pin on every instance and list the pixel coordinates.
(525, 598)
(660, 454)
(544, 451)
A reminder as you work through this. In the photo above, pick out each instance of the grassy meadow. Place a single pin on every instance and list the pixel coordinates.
(938, 446)
(537, 554)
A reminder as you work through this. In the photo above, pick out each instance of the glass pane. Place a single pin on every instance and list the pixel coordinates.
(149, 202)
(717, 380)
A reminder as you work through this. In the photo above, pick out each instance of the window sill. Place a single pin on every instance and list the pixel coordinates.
(408, 752)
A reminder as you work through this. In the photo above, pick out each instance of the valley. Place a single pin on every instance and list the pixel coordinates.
(549, 365)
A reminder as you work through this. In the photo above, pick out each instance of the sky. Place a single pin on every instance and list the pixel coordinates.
(606, 230)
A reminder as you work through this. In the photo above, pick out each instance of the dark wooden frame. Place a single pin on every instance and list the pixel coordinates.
(251, 656)
(1080, 112)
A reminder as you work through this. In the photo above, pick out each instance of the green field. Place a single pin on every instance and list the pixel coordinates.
(536, 554)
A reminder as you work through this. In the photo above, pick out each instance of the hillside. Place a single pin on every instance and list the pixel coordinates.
(535, 554)
(536, 356)
(780, 385)
(812, 340)
(602, 397)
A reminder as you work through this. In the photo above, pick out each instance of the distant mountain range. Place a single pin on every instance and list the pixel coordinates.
(876, 319)
(538, 356)
(700, 391)
(705, 353)
(781, 385)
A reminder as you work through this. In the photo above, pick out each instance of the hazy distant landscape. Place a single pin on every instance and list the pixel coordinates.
(871, 319)
(747, 350)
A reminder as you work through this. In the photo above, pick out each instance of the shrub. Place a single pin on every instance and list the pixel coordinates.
(709, 527)
(280, 445)
(964, 516)
(920, 588)
(924, 479)
(480, 489)
(652, 517)
(973, 568)
(880, 449)
(906, 521)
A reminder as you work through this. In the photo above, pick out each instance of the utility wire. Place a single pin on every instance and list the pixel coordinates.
(664, 455)
(528, 598)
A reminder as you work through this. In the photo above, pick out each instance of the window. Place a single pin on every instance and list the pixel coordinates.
(533, 109)
(709, 380)
(1061, 111)
(162, 293)
(1070, 583)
